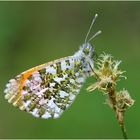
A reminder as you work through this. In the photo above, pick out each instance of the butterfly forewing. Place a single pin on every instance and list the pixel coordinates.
(47, 90)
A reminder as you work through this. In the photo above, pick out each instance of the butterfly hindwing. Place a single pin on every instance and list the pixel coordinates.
(47, 90)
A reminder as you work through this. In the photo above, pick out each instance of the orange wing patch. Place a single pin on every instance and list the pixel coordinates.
(15, 87)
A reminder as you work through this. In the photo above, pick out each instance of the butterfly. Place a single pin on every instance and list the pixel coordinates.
(47, 90)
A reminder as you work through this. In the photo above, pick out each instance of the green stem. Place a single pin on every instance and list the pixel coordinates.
(124, 131)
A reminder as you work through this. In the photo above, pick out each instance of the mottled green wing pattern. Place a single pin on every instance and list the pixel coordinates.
(47, 92)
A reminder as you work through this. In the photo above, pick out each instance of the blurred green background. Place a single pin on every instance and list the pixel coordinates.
(32, 33)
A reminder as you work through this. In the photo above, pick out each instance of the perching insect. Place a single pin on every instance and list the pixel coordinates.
(47, 90)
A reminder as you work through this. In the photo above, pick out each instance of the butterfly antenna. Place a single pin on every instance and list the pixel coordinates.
(93, 20)
(96, 34)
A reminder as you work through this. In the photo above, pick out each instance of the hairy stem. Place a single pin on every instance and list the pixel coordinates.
(119, 113)
(120, 118)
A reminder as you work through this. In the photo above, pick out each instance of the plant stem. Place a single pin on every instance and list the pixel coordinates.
(124, 131)
(119, 113)
(120, 118)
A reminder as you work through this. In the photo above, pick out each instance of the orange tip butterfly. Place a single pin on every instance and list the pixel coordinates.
(47, 90)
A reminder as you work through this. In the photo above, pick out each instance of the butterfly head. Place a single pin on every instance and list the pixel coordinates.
(86, 53)
(87, 50)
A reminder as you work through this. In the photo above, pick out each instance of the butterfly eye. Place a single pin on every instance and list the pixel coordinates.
(86, 51)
